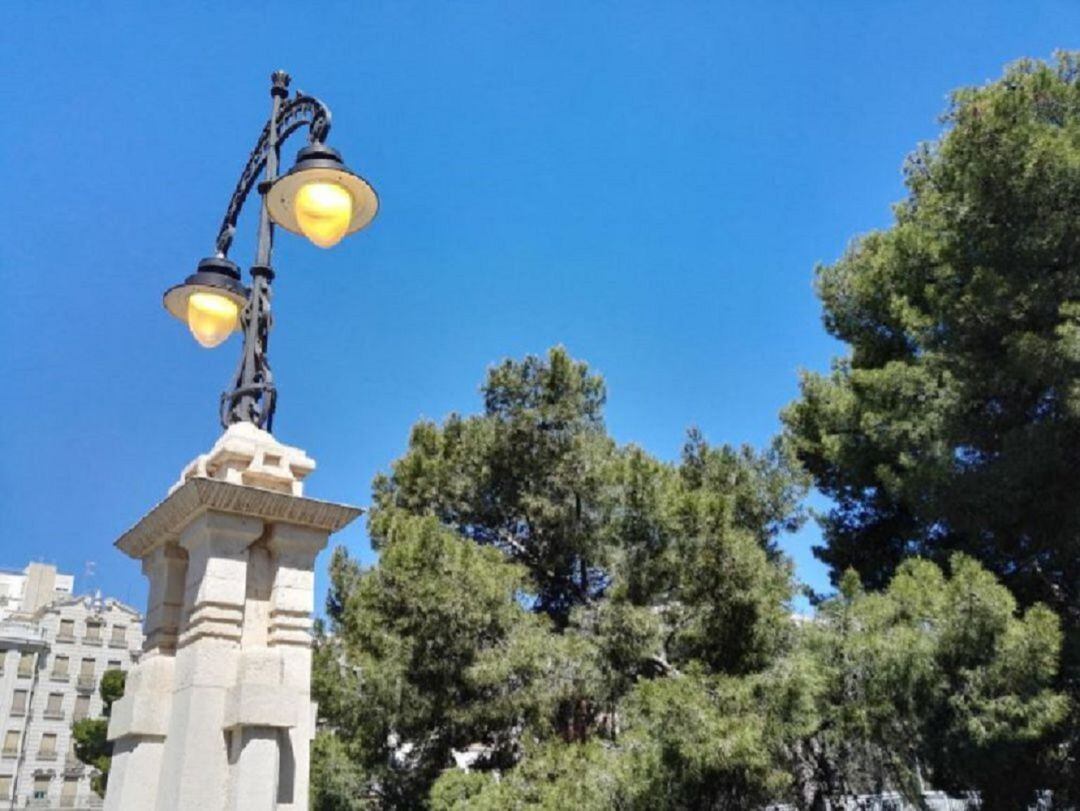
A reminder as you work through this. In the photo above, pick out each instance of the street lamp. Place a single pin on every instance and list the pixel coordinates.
(320, 197)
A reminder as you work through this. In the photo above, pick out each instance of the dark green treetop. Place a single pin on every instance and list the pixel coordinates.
(953, 424)
(596, 628)
(533, 572)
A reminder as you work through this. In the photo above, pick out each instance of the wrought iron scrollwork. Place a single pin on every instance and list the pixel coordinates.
(300, 111)
(253, 397)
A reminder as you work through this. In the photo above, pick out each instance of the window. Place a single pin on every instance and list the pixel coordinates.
(60, 667)
(119, 636)
(82, 707)
(67, 631)
(93, 632)
(11, 743)
(18, 703)
(47, 750)
(86, 675)
(26, 665)
(41, 786)
(54, 707)
(115, 664)
(5, 786)
(68, 792)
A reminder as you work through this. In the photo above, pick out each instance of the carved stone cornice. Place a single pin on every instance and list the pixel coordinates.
(164, 523)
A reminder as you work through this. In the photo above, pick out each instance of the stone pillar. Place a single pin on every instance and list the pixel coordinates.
(294, 549)
(139, 721)
(138, 726)
(217, 715)
(165, 567)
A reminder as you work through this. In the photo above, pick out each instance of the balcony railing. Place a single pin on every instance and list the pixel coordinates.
(65, 636)
(86, 683)
(56, 676)
(22, 634)
(46, 755)
(53, 715)
(8, 751)
(18, 712)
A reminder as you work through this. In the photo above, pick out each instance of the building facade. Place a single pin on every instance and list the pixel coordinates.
(53, 653)
(37, 585)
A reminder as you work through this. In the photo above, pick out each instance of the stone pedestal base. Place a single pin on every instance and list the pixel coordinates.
(217, 715)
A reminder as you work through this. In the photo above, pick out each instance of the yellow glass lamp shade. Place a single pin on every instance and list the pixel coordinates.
(323, 212)
(211, 317)
(321, 198)
(209, 301)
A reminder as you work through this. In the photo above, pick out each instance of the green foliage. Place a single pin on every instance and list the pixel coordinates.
(90, 734)
(336, 782)
(935, 678)
(525, 478)
(601, 629)
(408, 633)
(532, 574)
(953, 424)
(688, 742)
(552, 778)
(111, 687)
(93, 749)
(696, 542)
(698, 742)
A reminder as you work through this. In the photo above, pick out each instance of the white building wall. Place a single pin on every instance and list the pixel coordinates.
(41, 634)
(13, 587)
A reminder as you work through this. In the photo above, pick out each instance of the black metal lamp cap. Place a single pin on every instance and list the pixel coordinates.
(318, 156)
(215, 266)
(214, 274)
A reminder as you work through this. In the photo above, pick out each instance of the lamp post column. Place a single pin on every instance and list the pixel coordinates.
(218, 714)
(252, 397)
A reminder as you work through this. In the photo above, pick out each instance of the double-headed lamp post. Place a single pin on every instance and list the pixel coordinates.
(319, 198)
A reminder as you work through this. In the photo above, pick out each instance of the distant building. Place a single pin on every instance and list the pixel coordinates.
(36, 585)
(54, 647)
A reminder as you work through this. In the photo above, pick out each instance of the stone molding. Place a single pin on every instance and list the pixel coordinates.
(165, 522)
(247, 455)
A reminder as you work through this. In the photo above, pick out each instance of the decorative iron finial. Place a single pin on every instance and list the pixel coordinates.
(280, 81)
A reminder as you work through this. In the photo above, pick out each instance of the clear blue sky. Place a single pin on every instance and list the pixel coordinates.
(650, 184)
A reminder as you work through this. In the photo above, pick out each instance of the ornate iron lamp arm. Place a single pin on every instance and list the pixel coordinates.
(253, 396)
(291, 115)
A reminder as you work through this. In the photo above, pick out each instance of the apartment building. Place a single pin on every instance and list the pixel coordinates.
(27, 590)
(53, 653)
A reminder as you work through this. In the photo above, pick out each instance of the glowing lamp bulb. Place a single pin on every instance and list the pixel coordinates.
(211, 318)
(323, 212)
